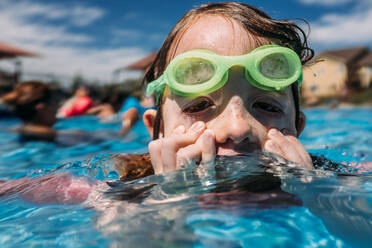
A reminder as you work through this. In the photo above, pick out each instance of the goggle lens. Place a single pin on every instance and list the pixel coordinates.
(275, 66)
(194, 71)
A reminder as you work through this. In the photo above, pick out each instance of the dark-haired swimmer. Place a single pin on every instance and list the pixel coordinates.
(36, 104)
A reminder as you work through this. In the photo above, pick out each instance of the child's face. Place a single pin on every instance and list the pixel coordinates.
(238, 114)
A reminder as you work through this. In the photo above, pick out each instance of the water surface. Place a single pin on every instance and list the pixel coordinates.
(253, 201)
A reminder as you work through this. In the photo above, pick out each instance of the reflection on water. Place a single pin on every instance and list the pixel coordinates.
(241, 201)
(344, 203)
(237, 202)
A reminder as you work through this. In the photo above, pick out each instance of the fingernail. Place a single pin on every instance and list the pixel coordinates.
(197, 126)
(274, 132)
(269, 145)
(180, 129)
(209, 132)
(207, 135)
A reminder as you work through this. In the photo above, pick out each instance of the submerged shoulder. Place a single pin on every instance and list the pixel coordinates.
(321, 162)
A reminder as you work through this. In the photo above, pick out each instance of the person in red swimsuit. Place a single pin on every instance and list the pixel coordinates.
(76, 105)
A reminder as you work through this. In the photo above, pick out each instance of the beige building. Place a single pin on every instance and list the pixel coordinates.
(332, 74)
(364, 73)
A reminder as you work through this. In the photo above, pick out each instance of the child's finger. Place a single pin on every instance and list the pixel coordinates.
(179, 130)
(188, 155)
(291, 149)
(169, 148)
(271, 146)
(204, 150)
(178, 140)
(207, 143)
(288, 150)
(301, 151)
(280, 140)
(155, 155)
(276, 148)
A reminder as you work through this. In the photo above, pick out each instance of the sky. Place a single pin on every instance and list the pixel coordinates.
(93, 38)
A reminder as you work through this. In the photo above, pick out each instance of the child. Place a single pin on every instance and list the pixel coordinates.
(226, 81)
(240, 115)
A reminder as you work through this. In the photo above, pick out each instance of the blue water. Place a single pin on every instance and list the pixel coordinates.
(96, 138)
(237, 202)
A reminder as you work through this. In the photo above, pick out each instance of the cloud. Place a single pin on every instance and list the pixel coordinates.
(326, 2)
(343, 28)
(26, 33)
(93, 64)
(351, 28)
(17, 24)
(76, 15)
(83, 16)
(32, 26)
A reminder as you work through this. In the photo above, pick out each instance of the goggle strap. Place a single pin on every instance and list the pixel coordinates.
(155, 86)
(158, 96)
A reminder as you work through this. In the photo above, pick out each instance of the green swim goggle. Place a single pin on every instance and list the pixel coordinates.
(199, 72)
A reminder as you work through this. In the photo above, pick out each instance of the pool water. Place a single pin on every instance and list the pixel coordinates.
(253, 201)
(96, 138)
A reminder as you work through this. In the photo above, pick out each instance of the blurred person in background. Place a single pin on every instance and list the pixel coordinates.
(125, 106)
(77, 105)
(5, 109)
(36, 104)
(110, 103)
(133, 109)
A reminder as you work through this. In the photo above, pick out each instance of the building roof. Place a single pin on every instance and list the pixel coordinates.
(143, 63)
(9, 51)
(348, 55)
(366, 60)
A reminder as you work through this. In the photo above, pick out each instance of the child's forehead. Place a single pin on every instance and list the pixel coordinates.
(219, 34)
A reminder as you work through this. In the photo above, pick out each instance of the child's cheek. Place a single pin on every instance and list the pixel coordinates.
(171, 125)
(205, 116)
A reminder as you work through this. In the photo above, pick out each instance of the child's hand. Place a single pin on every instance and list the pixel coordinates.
(182, 148)
(287, 146)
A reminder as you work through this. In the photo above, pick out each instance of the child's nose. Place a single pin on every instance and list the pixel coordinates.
(236, 123)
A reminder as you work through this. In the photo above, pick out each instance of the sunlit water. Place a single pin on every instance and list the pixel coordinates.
(254, 201)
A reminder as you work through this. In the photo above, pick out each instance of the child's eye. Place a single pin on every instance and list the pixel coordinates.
(198, 105)
(267, 107)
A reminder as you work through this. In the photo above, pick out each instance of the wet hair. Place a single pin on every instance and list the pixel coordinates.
(26, 96)
(254, 21)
